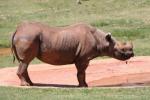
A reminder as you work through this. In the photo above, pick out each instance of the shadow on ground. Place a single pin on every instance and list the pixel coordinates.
(55, 85)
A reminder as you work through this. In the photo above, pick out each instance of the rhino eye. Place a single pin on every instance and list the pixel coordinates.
(123, 50)
(130, 49)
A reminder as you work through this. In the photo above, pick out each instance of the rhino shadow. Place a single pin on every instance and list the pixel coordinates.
(54, 85)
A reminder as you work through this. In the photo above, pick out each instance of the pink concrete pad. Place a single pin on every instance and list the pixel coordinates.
(102, 72)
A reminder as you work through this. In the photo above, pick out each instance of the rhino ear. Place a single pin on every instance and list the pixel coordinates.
(108, 37)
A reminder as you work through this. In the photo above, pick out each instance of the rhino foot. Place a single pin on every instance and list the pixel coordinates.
(26, 84)
(82, 85)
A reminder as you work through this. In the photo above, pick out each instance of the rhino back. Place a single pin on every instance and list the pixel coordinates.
(66, 45)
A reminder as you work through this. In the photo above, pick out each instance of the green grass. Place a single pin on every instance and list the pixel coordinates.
(117, 16)
(7, 93)
(4, 61)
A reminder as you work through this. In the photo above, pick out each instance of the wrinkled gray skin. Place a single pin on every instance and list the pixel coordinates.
(76, 44)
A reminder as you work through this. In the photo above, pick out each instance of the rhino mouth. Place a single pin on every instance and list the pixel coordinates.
(123, 56)
(127, 56)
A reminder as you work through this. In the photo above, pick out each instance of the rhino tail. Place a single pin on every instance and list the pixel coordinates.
(13, 48)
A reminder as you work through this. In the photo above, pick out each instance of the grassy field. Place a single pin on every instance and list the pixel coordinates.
(7, 93)
(125, 19)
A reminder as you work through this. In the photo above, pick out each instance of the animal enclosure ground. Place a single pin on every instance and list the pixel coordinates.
(103, 72)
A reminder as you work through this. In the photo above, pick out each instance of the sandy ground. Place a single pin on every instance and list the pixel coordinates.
(102, 72)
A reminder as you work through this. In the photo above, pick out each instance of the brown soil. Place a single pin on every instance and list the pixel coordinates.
(107, 72)
(5, 51)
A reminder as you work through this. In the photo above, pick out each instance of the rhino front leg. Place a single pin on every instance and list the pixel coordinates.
(81, 75)
(23, 74)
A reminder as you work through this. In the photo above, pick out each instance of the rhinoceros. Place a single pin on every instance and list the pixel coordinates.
(75, 44)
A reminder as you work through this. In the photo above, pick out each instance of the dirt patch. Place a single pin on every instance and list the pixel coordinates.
(5, 51)
(106, 72)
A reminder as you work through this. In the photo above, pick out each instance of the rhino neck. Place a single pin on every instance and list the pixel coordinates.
(104, 47)
(101, 43)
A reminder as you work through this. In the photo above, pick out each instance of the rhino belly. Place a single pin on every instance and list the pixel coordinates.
(57, 57)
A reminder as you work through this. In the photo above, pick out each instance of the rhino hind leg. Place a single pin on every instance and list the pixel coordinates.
(26, 53)
(81, 76)
(23, 74)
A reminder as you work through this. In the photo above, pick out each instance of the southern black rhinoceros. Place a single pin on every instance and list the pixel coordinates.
(75, 44)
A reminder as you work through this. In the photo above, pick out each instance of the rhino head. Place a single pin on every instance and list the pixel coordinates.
(113, 48)
(119, 50)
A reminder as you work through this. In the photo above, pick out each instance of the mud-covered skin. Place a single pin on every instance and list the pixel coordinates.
(75, 44)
